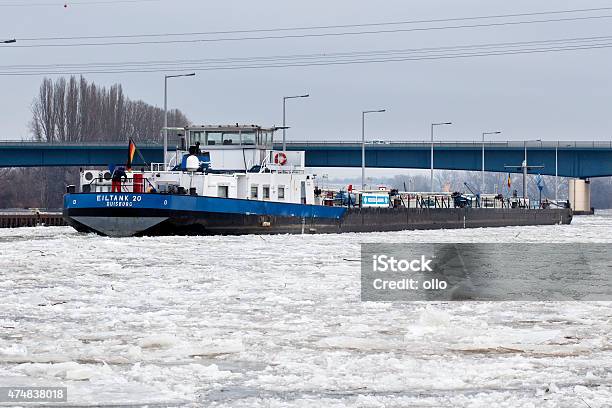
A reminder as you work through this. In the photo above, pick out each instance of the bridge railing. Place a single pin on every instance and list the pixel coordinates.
(142, 143)
(465, 144)
(594, 144)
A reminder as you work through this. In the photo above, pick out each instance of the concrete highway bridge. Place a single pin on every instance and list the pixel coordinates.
(568, 159)
(579, 160)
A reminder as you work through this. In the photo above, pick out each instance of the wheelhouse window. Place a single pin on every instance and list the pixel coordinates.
(264, 138)
(231, 138)
(254, 191)
(198, 137)
(266, 192)
(248, 138)
(214, 138)
(281, 193)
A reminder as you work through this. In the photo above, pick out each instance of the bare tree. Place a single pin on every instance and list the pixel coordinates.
(43, 116)
(73, 123)
(75, 110)
(59, 109)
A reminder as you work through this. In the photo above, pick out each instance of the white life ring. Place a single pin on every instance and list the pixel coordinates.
(280, 158)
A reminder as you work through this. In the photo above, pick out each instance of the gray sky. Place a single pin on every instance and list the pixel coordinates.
(551, 96)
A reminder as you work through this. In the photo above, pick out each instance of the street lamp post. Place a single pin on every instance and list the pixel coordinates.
(557, 173)
(431, 182)
(166, 77)
(284, 103)
(482, 185)
(363, 143)
(525, 167)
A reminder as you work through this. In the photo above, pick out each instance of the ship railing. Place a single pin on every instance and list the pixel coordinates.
(162, 166)
(278, 168)
(447, 201)
(288, 169)
(129, 185)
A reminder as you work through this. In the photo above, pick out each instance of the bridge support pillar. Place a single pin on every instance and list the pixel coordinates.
(580, 195)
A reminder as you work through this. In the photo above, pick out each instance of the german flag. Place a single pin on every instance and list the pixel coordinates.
(509, 181)
(131, 151)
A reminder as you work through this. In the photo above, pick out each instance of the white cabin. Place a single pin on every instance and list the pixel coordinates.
(234, 162)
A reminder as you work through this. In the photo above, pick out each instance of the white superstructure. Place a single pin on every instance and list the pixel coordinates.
(218, 161)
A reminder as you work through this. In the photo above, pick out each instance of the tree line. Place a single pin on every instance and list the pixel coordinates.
(76, 110)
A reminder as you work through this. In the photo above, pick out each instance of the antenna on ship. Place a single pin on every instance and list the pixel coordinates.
(525, 167)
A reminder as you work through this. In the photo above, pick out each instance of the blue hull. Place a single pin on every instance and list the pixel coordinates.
(126, 214)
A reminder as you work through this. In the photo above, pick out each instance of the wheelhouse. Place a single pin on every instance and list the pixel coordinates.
(239, 135)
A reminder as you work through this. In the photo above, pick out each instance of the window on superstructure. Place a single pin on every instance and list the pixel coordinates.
(281, 193)
(197, 137)
(254, 192)
(231, 138)
(266, 192)
(223, 191)
(214, 138)
(248, 138)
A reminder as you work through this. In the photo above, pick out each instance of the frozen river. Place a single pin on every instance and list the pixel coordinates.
(277, 321)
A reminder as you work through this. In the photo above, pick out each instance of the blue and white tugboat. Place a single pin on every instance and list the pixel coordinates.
(230, 180)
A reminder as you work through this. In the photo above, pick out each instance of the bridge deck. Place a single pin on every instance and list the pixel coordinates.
(575, 158)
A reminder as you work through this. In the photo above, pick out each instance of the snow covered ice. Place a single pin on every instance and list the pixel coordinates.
(276, 321)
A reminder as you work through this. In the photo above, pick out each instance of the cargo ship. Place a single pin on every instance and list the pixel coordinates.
(231, 180)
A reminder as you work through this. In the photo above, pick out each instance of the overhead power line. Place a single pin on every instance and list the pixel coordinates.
(261, 63)
(73, 3)
(291, 36)
(268, 58)
(321, 27)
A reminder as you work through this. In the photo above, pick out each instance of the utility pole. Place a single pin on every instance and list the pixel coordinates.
(166, 77)
(557, 173)
(525, 172)
(363, 143)
(431, 182)
(482, 182)
(284, 109)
